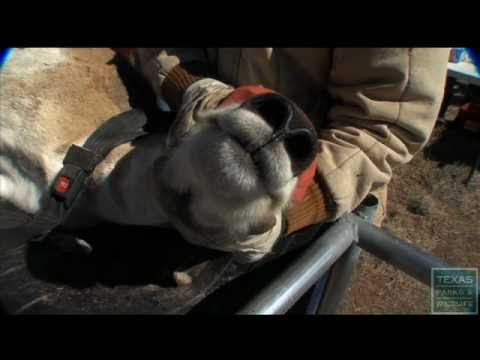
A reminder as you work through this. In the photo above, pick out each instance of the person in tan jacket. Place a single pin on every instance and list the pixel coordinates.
(373, 108)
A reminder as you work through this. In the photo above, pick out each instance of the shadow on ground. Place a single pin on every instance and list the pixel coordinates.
(121, 256)
(455, 145)
(130, 270)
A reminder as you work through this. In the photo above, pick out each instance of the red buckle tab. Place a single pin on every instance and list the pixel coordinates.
(63, 184)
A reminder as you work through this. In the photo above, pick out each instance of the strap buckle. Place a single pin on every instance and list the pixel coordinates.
(78, 163)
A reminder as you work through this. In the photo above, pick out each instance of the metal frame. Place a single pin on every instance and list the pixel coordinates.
(343, 271)
(340, 245)
(284, 291)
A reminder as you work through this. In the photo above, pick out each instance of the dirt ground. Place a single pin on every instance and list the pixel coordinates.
(428, 205)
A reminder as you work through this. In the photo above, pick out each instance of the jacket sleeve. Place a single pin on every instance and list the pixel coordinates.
(385, 104)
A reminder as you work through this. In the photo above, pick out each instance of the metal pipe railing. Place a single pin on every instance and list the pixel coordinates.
(289, 287)
(283, 292)
(407, 257)
(343, 270)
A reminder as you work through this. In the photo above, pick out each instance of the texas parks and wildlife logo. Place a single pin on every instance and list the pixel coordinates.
(454, 291)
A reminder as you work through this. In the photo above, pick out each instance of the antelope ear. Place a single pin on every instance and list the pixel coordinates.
(263, 225)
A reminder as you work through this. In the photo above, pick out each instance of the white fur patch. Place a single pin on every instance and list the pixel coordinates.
(17, 189)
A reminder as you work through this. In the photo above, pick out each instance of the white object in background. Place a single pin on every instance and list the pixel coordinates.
(465, 73)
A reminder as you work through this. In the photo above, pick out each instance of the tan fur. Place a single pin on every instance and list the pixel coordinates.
(51, 98)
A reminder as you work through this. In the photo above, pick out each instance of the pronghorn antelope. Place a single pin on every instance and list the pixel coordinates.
(203, 180)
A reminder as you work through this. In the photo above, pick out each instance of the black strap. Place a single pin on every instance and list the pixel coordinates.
(80, 162)
(78, 165)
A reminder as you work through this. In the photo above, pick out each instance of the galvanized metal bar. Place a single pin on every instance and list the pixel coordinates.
(339, 280)
(350, 230)
(288, 288)
(402, 255)
(343, 270)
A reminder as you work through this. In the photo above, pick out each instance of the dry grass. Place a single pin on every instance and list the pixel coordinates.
(429, 205)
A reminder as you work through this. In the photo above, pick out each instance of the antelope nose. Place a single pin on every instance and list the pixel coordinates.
(290, 125)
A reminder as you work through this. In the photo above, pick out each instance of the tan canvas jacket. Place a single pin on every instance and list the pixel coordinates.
(374, 108)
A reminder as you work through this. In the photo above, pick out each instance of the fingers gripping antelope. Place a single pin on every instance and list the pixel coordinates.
(220, 177)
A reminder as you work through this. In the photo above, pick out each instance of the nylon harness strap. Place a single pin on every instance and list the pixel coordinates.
(78, 165)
